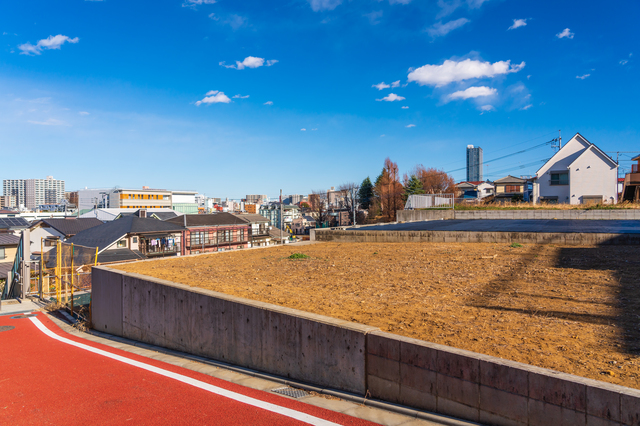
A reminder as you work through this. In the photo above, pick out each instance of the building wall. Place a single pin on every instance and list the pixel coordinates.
(501, 188)
(140, 199)
(590, 174)
(38, 234)
(9, 255)
(8, 201)
(215, 239)
(16, 188)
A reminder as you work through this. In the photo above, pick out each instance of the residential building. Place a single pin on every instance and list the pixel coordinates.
(57, 228)
(474, 163)
(301, 225)
(511, 188)
(205, 233)
(8, 201)
(107, 215)
(131, 238)
(184, 202)
(272, 212)
(8, 248)
(579, 173)
(258, 229)
(631, 183)
(257, 199)
(252, 208)
(29, 193)
(476, 190)
(335, 198)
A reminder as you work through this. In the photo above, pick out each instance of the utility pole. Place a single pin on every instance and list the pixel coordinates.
(281, 218)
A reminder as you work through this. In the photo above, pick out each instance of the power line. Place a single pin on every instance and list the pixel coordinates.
(533, 163)
(506, 156)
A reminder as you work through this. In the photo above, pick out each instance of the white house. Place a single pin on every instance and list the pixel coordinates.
(579, 173)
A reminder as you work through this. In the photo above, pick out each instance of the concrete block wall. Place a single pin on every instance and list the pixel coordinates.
(261, 336)
(490, 390)
(576, 239)
(351, 357)
(614, 214)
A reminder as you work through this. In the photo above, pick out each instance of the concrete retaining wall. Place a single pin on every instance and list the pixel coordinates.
(261, 336)
(618, 214)
(352, 357)
(575, 239)
(490, 390)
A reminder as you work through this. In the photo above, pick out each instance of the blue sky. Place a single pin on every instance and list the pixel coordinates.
(106, 93)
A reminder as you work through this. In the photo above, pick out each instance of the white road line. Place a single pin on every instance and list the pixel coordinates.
(190, 381)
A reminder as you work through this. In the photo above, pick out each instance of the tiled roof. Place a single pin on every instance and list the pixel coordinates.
(252, 218)
(207, 219)
(9, 240)
(108, 233)
(72, 226)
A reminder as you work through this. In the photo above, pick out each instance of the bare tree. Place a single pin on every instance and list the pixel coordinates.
(350, 198)
(318, 200)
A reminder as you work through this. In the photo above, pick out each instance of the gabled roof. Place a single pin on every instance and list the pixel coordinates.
(583, 141)
(9, 240)
(252, 218)
(119, 255)
(510, 179)
(108, 233)
(72, 225)
(215, 219)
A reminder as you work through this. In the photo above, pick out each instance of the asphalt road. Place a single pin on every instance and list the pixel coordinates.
(509, 225)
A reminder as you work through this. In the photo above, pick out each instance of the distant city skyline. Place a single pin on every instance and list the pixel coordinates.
(233, 98)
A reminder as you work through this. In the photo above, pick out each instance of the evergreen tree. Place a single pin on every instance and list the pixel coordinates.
(365, 194)
(412, 186)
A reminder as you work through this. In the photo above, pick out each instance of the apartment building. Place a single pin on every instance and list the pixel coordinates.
(30, 193)
(144, 198)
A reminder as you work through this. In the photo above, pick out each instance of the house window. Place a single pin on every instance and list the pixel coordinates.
(242, 235)
(122, 243)
(560, 178)
(135, 240)
(2, 254)
(512, 188)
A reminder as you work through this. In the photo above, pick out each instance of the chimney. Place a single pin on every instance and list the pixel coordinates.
(142, 213)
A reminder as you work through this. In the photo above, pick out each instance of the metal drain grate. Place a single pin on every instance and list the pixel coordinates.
(23, 316)
(293, 393)
(6, 328)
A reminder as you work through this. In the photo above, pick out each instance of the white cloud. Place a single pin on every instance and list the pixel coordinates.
(566, 33)
(214, 97)
(582, 77)
(473, 92)
(83, 113)
(447, 7)
(193, 3)
(487, 108)
(236, 21)
(450, 71)
(439, 29)
(268, 103)
(303, 130)
(408, 126)
(240, 97)
(517, 23)
(392, 97)
(214, 17)
(374, 17)
(395, 83)
(318, 5)
(626, 61)
(314, 129)
(382, 136)
(249, 62)
(49, 122)
(51, 42)
(526, 107)
(405, 107)
(381, 86)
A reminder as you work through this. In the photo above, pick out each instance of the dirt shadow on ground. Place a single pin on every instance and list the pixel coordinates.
(621, 261)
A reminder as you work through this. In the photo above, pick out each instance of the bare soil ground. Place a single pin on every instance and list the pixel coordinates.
(570, 309)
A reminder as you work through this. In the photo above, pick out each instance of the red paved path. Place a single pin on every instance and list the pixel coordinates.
(47, 382)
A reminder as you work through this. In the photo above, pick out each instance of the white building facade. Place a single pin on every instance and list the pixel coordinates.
(579, 173)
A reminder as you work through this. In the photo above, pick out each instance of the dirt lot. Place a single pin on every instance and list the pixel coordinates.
(571, 309)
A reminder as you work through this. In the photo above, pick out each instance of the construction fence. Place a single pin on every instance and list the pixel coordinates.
(64, 274)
